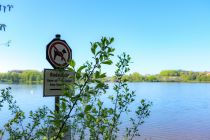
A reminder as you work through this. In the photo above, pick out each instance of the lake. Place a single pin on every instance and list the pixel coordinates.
(180, 111)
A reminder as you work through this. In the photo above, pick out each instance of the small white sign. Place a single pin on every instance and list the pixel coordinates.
(55, 81)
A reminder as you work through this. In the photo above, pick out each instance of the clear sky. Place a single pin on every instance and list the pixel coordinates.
(158, 34)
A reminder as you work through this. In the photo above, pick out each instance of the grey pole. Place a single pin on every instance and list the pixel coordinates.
(57, 98)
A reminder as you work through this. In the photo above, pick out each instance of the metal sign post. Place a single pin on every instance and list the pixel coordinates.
(58, 54)
(57, 102)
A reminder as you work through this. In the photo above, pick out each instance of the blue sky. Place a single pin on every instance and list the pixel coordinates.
(158, 34)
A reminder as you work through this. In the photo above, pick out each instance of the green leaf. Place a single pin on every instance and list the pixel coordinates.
(72, 63)
(111, 97)
(111, 111)
(142, 101)
(80, 69)
(88, 108)
(100, 85)
(97, 60)
(109, 49)
(63, 105)
(101, 57)
(81, 115)
(97, 74)
(102, 128)
(111, 40)
(108, 62)
(94, 110)
(51, 116)
(113, 49)
(70, 69)
(78, 75)
(93, 48)
(99, 103)
(103, 75)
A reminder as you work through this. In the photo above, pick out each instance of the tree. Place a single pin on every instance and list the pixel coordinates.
(82, 110)
(151, 78)
(5, 8)
(170, 73)
(27, 77)
(135, 77)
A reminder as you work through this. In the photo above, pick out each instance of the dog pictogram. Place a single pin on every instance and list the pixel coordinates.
(59, 53)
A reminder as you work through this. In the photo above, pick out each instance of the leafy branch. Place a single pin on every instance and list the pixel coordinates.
(83, 113)
(15, 126)
(5, 8)
(101, 57)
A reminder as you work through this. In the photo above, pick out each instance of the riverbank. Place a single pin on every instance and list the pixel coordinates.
(180, 76)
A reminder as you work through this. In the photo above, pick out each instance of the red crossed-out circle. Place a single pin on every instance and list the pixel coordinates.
(56, 45)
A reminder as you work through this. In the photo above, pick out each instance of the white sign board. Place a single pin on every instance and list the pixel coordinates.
(55, 81)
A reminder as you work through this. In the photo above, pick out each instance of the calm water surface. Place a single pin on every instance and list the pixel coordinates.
(180, 111)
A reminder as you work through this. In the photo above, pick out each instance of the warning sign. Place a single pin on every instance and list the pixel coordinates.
(58, 53)
(55, 81)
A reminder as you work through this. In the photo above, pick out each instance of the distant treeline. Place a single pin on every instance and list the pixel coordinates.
(26, 77)
(33, 76)
(170, 76)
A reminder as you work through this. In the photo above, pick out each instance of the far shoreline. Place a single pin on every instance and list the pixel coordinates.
(169, 82)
